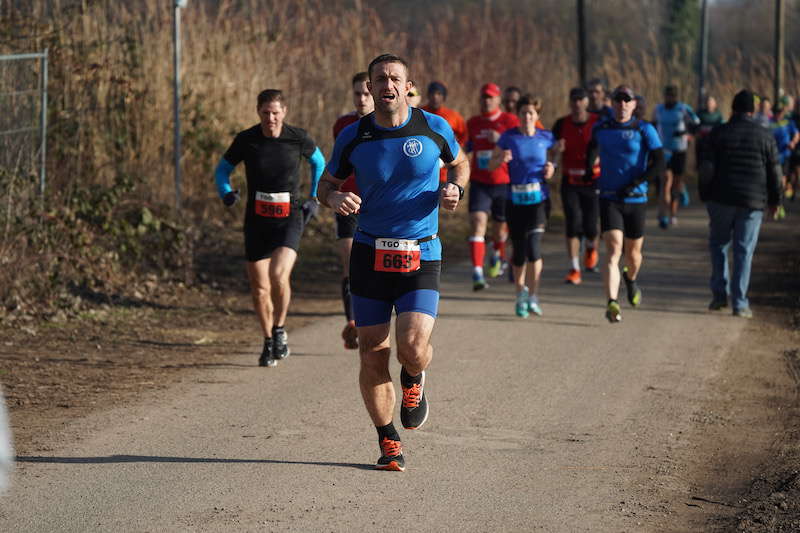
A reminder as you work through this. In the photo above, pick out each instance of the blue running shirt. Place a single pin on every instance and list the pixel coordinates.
(784, 131)
(624, 155)
(397, 173)
(529, 155)
(673, 125)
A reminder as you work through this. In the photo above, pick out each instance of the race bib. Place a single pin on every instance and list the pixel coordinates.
(527, 194)
(396, 255)
(482, 158)
(273, 204)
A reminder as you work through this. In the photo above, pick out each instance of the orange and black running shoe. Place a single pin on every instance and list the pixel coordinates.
(590, 260)
(414, 409)
(391, 456)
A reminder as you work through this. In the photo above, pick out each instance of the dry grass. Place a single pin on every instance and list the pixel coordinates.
(111, 82)
(111, 75)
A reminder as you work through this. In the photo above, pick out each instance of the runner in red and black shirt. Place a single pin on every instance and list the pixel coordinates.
(346, 224)
(488, 188)
(578, 191)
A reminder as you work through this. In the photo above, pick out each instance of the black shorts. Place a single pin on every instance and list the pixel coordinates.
(522, 219)
(346, 226)
(628, 218)
(677, 163)
(376, 294)
(489, 199)
(786, 167)
(581, 210)
(794, 160)
(261, 239)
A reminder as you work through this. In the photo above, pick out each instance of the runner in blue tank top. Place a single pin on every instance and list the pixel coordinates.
(631, 155)
(396, 256)
(525, 149)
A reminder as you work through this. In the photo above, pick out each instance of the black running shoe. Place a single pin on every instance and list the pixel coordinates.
(632, 289)
(280, 348)
(391, 456)
(265, 359)
(414, 409)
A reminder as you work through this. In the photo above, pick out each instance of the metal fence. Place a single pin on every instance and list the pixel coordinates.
(23, 122)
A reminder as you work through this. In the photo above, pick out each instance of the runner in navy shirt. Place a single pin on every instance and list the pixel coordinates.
(525, 150)
(274, 217)
(396, 256)
(631, 154)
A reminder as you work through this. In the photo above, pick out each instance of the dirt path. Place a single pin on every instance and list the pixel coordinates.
(561, 423)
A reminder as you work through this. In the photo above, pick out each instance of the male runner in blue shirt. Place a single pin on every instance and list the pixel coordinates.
(631, 155)
(396, 256)
(673, 119)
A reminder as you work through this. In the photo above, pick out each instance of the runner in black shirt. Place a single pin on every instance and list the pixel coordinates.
(274, 218)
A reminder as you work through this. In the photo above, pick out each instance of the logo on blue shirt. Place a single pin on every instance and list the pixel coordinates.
(412, 147)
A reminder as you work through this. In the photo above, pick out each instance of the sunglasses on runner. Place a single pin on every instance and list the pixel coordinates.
(622, 98)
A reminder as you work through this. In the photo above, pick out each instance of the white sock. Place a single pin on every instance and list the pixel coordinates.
(575, 263)
(478, 271)
(533, 299)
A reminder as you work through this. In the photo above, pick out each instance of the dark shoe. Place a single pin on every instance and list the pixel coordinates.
(391, 456)
(716, 304)
(265, 359)
(414, 409)
(744, 312)
(632, 289)
(613, 312)
(280, 348)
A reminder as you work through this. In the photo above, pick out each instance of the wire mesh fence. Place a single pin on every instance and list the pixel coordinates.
(23, 127)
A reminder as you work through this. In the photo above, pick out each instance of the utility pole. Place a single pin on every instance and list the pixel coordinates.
(703, 60)
(779, 26)
(176, 63)
(581, 42)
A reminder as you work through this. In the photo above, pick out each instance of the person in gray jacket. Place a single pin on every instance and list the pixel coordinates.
(740, 176)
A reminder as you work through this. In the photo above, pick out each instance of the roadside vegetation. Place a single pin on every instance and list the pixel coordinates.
(107, 228)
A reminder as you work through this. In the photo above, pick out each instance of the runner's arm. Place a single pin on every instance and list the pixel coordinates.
(222, 177)
(452, 191)
(592, 152)
(552, 157)
(344, 203)
(317, 163)
(655, 167)
(499, 156)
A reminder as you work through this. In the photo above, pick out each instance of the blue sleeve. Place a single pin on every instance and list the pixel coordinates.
(692, 115)
(552, 139)
(651, 137)
(442, 127)
(503, 142)
(317, 163)
(222, 177)
(338, 166)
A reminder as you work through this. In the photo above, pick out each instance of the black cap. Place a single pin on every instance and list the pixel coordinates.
(577, 93)
(623, 90)
(437, 87)
(744, 102)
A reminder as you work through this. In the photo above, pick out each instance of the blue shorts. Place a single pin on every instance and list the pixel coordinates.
(376, 294)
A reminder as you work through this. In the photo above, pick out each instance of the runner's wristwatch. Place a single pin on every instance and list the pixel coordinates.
(460, 189)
